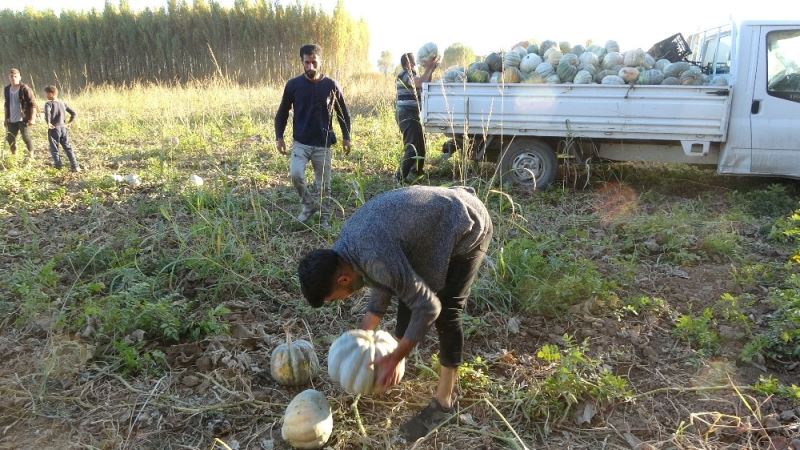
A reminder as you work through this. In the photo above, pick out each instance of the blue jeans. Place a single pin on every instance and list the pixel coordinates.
(59, 136)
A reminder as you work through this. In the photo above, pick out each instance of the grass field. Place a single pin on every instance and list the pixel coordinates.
(656, 307)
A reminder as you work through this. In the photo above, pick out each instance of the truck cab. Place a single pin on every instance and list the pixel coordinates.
(764, 60)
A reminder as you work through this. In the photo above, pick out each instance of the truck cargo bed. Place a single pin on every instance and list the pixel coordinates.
(673, 113)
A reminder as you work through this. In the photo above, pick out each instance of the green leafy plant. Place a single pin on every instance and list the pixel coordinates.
(698, 331)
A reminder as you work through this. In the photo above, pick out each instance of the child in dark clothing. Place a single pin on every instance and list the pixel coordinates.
(54, 114)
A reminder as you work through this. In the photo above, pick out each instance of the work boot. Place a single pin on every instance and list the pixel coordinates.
(426, 420)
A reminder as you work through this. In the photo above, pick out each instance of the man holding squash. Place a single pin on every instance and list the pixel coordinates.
(423, 245)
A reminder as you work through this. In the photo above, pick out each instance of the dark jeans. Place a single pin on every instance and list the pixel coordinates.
(460, 275)
(56, 136)
(413, 139)
(14, 128)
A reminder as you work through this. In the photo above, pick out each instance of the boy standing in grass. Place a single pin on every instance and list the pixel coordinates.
(315, 99)
(20, 111)
(54, 113)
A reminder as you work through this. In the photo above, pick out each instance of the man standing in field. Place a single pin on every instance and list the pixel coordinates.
(20, 111)
(315, 98)
(428, 259)
(407, 112)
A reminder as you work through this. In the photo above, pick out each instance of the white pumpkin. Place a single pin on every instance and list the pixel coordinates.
(196, 180)
(133, 180)
(553, 56)
(427, 52)
(629, 74)
(307, 422)
(529, 62)
(612, 79)
(294, 362)
(634, 58)
(583, 77)
(352, 355)
(612, 46)
(612, 59)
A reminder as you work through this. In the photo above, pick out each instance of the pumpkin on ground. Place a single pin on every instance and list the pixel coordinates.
(307, 422)
(612, 46)
(352, 355)
(294, 362)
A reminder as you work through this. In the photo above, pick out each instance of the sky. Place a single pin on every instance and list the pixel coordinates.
(487, 26)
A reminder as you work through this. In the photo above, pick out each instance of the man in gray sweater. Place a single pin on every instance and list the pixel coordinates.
(423, 245)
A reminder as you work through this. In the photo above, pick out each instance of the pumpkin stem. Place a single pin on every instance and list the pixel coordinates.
(288, 335)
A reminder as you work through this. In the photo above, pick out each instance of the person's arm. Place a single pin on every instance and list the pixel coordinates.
(282, 117)
(342, 116)
(426, 77)
(48, 114)
(34, 108)
(71, 113)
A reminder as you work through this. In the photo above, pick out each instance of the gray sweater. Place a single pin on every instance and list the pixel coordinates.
(402, 241)
(55, 111)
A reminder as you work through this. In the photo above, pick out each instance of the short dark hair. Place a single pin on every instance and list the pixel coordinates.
(406, 59)
(51, 89)
(13, 71)
(310, 49)
(317, 273)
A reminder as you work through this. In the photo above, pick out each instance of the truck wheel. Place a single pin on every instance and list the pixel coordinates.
(529, 162)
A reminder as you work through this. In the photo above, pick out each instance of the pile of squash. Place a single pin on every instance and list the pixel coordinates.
(559, 62)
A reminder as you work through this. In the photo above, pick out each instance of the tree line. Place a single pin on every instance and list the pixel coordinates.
(250, 42)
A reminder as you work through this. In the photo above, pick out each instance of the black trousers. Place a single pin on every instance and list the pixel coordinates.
(413, 140)
(15, 128)
(460, 275)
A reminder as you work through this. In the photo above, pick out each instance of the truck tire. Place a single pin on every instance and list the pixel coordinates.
(529, 162)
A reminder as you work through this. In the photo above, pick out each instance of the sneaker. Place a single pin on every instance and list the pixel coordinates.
(306, 213)
(75, 169)
(426, 420)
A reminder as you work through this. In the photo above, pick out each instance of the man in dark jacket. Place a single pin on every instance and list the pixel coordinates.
(422, 245)
(315, 99)
(20, 111)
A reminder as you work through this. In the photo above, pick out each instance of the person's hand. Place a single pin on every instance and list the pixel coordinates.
(387, 373)
(346, 145)
(431, 64)
(281, 144)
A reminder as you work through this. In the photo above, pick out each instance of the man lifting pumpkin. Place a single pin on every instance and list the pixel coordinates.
(424, 246)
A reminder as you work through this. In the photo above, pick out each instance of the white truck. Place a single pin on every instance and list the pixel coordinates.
(751, 127)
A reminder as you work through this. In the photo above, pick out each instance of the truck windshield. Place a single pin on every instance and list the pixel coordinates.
(783, 64)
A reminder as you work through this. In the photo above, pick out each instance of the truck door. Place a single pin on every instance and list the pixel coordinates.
(775, 109)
